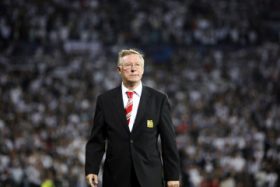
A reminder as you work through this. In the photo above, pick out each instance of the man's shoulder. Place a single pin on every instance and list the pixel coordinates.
(117, 90)
(111, 92)
(154, 91)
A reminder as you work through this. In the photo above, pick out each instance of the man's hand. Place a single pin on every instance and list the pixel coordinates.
(173, 184)
(92, 180)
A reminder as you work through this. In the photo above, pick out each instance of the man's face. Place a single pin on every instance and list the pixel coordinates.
(131, 69)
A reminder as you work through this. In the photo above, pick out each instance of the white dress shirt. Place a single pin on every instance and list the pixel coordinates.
(136, 99)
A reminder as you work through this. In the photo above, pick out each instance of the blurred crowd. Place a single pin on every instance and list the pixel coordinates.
(218, 61)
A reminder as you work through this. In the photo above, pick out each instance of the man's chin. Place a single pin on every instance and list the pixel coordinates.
(134, 79)
(133, 82)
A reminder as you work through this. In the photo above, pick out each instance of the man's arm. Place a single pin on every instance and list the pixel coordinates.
(95, 146)
(170, 154)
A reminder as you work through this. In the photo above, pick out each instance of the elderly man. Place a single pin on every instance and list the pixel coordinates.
(131, 117)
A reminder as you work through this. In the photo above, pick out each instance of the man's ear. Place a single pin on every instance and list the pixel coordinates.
(119, 69)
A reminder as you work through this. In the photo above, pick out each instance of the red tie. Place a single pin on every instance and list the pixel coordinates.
(128, 108)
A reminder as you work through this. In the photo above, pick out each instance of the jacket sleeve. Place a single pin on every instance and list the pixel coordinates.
(95, 146)
(170, 154)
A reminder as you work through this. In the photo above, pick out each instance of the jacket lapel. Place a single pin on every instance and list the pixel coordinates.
(141, 108)
(119, 108)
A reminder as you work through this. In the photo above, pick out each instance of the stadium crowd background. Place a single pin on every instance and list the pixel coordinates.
(218, 61)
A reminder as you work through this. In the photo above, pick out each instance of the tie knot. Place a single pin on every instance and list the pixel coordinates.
(129, 94)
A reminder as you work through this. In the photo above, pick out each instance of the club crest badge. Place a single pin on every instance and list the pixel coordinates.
(150, 124)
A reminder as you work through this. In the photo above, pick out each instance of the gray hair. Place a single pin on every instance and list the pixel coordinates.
(126, 52)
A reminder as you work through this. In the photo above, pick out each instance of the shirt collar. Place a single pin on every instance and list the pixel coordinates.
(137, 90)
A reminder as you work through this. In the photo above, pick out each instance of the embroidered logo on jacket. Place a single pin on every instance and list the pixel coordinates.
(150, 124)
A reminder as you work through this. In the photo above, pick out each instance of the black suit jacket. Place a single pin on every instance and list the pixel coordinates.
(138, 148)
